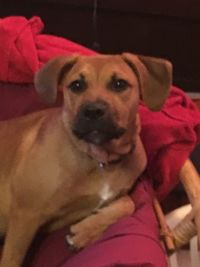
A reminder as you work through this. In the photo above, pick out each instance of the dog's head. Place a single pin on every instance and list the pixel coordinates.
(102, 93)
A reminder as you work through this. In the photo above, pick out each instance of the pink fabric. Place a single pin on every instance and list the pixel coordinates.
(169, 137)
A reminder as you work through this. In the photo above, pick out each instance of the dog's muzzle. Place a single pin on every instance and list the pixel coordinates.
(95, 124)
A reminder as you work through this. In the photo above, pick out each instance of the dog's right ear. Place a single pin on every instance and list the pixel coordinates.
(155, 78)
(50, 75)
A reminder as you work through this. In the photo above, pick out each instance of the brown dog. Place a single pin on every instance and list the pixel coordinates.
(75, 164)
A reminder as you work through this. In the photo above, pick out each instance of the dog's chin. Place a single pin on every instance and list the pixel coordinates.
(98, 137)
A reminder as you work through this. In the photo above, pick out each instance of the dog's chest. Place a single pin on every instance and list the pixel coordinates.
(109, 185)
(106, 193)
(87, 192)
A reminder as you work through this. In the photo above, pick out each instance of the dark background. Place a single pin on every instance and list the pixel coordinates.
(169, 29)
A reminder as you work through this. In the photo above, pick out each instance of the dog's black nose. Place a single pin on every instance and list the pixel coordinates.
(94, 111)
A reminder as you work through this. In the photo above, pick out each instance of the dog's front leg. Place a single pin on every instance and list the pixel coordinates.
(21, 229)
(92, 227)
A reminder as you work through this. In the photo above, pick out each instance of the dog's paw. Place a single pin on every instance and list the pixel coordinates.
(85, 233)
(70, 242)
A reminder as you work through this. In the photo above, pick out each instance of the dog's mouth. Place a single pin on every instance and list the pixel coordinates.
(97, 136)
(94, 123)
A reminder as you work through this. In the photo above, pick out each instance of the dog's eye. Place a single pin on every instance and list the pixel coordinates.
(118, 85)
(77, 86)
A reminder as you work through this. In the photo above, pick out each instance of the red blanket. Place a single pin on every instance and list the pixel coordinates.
(23, 49)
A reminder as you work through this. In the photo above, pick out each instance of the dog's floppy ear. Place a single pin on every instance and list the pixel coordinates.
(155, 78)
(48, 77)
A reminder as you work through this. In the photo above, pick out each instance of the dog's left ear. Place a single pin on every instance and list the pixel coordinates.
(50, 75)
(155, 78)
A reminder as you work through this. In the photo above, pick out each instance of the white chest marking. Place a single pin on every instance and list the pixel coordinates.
(105, 194)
